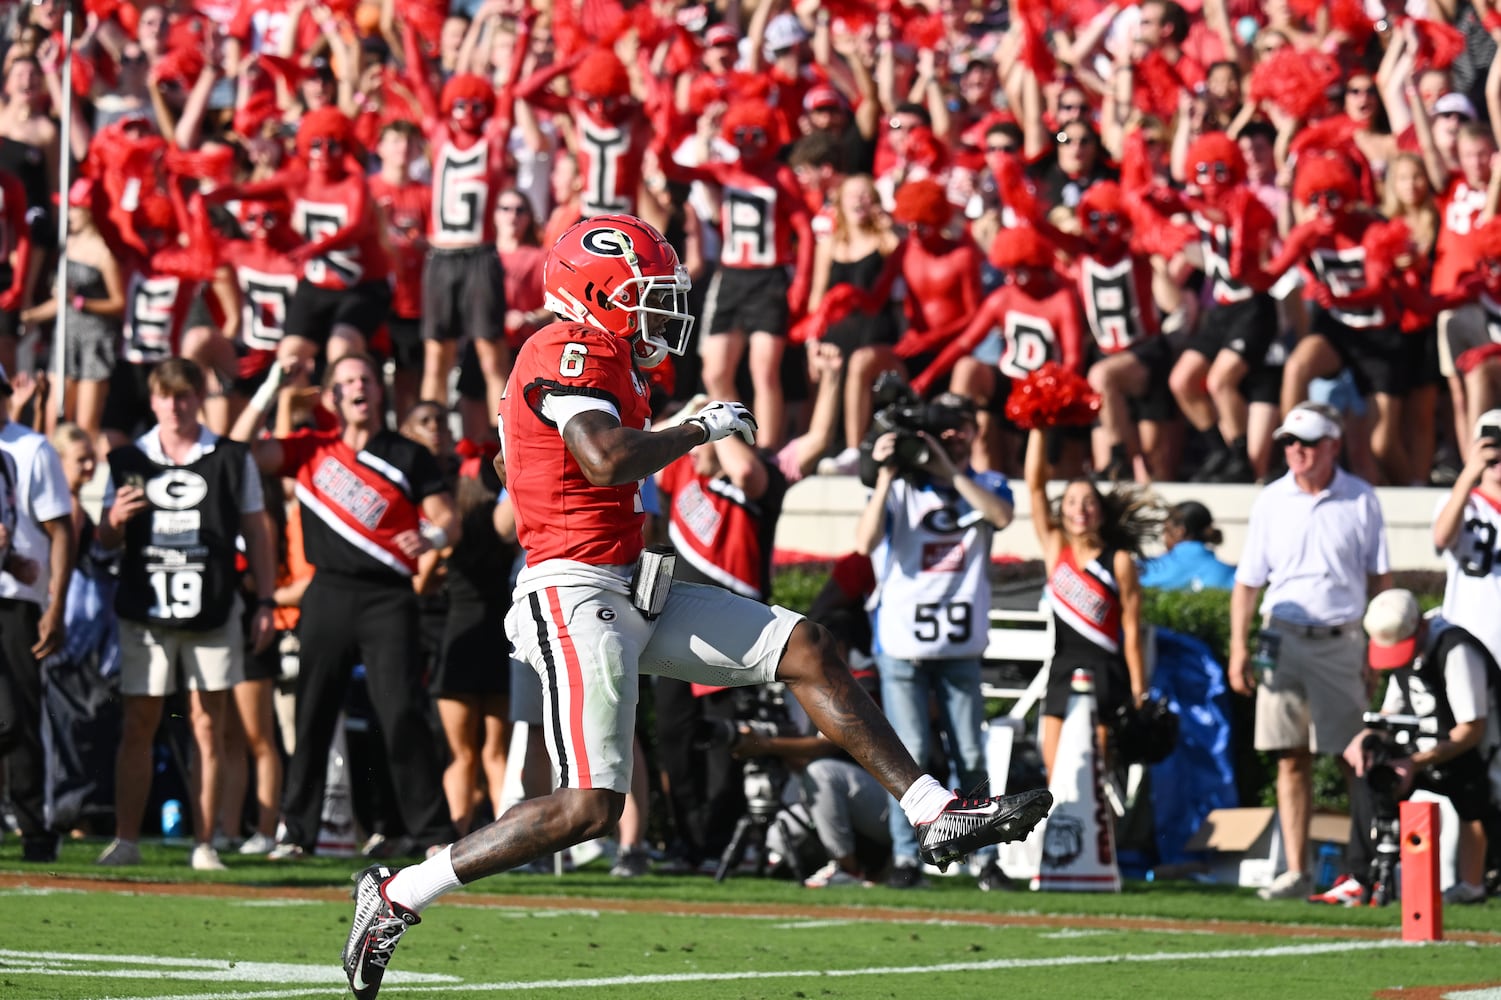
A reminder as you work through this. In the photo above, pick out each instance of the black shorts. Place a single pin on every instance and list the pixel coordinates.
(314, 311)
(471, 384)
(1376, 356)
(463, 294)
(1422, 358)
(1245, 328)
(250, 372)
(127, 407)
(406, 343)
(1156, 355)
(1112, 686)
(473, 659)
(198, 312)
(747, 300)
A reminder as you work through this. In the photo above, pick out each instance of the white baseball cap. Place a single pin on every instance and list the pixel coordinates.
(1307, 424)
(783, 32)
(1391, 625)
(1452, 104)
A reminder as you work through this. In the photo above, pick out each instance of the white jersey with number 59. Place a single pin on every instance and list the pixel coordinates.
(1472, 568)
(932, 599)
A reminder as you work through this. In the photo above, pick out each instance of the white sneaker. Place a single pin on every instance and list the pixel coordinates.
(206, 859)
(1464, 892)
(1346, 891)
(1288, 885)
(258, 843)
(119, 853)
(846, 463)
(831, 874)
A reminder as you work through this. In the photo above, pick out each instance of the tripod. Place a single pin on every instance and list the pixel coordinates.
(1380, 887)
(764, 779)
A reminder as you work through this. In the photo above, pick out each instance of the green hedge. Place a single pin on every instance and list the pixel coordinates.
(1204, 615)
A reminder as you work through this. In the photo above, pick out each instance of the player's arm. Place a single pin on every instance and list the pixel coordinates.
(611, 454)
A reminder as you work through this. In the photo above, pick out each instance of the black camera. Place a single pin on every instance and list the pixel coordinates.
(1490, 434)
(899, 410)
(1394, 737)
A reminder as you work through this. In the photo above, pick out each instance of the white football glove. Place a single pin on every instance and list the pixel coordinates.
(720, 419)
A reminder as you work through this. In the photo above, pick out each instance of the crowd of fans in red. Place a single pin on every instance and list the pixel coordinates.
(1212, 209)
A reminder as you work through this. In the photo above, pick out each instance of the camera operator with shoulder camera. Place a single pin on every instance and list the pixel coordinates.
(928, 526)
(1437, 730)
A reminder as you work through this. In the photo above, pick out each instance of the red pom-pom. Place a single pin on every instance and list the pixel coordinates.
(1439, 44)
(1052, 396)
(922, 203)
(1294, 80)
(1156, 86)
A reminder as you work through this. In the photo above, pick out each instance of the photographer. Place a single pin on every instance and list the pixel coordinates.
(1466, 530)
(928, 526)
(849, 807)
(1439, 672)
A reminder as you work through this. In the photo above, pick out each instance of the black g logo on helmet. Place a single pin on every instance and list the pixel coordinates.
(607, 243)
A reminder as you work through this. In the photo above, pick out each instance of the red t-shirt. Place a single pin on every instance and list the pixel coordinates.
(404, 211)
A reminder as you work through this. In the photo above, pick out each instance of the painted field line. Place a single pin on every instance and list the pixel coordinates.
(394, 983)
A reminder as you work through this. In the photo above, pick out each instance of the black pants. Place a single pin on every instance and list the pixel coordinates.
(21, 716)
(345, 621)
(707, 793)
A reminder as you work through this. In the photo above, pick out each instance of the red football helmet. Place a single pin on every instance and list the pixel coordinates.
(617, 273)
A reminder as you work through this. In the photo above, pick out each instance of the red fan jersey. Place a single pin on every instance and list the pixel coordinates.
(155, 307)
(559, 513)
(758, 213)
(1339, 262)
(323, 209)
(266, 281)
(1117, 298)
(723, 536)
(404, 210)
(466, 183)
(609, 161)
(1229, 245)
(1034, 331)
(1462, 206)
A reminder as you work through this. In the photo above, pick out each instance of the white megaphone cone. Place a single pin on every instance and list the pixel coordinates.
(1078, 837)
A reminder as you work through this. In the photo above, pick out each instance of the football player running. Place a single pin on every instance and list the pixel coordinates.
(592, 609)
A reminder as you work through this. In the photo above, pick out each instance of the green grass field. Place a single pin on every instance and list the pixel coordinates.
(264, 930)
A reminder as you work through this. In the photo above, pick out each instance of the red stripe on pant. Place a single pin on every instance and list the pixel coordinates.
(578, 750)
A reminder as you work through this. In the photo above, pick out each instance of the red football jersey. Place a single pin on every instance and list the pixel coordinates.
(344, 206)
(1117, 300)
(404, 216)
(155, 307)
(266, 283)
(610, 161)
(1462, 206)
(466, 183)
(759, 214)
(559, 513)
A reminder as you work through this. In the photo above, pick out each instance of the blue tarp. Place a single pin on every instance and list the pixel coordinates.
(1199, 775)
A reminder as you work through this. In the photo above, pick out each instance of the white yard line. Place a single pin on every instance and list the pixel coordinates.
(320, 978)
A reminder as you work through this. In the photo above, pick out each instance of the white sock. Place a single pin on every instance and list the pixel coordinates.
(924, 800)
(420, 885)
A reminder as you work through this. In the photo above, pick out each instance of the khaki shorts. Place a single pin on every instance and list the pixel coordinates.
(1317, 693)
(152, 657)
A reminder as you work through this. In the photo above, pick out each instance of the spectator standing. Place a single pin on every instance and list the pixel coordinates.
(365, 492)
(1317, 542)
(405, 205)
(1467, 531)
(928, 531)
(1189, 562)
(32, 612)
(175, 501)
